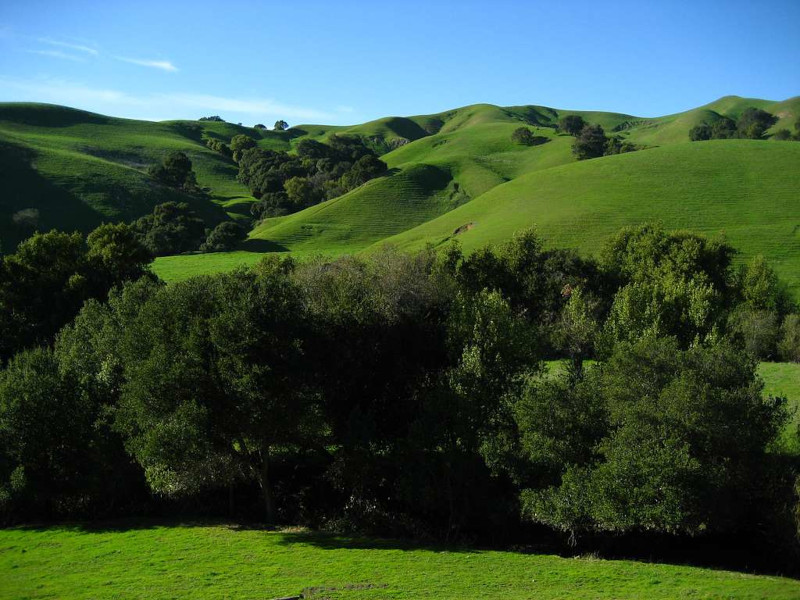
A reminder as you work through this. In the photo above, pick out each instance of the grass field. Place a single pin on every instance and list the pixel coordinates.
(156, 560)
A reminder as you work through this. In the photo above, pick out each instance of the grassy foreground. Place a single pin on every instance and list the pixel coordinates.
(217, 561)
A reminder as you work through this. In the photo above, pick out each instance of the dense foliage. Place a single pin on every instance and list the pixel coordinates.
(406, 394)
(285, 183)
(752, 124)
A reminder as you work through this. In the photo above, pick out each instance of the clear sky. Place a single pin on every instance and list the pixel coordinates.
(344, 62)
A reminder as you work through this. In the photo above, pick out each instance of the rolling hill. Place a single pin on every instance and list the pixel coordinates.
(453, 175)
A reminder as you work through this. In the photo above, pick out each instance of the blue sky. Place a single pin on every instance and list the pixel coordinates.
(348, 62)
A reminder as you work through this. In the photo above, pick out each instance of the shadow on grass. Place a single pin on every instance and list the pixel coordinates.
(261, 246)
(330, 541)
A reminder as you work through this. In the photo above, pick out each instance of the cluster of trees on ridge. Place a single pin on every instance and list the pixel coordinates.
(285, 183)
(591, 141)
(399, 394)
(752, 124)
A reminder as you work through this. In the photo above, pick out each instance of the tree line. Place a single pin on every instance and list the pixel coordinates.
(400, 394)
(752, 124)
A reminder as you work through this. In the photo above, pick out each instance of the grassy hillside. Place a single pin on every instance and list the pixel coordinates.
(745, 189)
(453, 171)
(79, 169)
(217, 561)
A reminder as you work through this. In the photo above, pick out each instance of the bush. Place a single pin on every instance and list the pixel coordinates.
(591, 143)
(223, 237)
(571, 124)
(700, 132)
(175, 171)
(754, 122)
(782, 135)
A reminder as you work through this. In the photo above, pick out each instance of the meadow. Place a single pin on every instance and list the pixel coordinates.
(153, 559)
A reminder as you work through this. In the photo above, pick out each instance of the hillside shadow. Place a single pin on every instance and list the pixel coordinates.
(262, 246)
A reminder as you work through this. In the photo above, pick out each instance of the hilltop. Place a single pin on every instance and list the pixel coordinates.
(453, 175)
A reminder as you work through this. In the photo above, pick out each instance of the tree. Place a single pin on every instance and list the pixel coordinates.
(670, 284)
(116, 254)
(281, 125)
(365, 168)
(700, 132)
(239, 144)
(657, 456)
(789, 344)
(215, 381)
(46, 436)
(223, 237)
(723, 129)
(175, 171)
(572, 124)
(782, 135)
(522, 135)
(590, 143)
(171, 228)
(758, 331)
(754, 122)
(259, 126)
(301, 193)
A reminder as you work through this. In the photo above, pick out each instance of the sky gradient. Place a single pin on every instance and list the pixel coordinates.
(349, 62)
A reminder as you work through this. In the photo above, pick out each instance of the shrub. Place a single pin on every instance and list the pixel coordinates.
(571, 124)
(591, 143)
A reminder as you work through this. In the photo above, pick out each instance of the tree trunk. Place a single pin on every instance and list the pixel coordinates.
(269, 511)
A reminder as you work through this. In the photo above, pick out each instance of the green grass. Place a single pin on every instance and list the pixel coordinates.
(447, 170)
(217, 561)
(744, 189)
(783, 379)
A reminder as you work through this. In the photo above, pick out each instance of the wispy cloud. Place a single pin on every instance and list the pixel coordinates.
(244, 105)
(172, 106)
(57, 54)
(76, 47)
(164, 65)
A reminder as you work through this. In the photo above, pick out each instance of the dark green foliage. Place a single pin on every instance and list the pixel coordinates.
(525, 137)
(260, 126)
(239, 144)
(723, 129)
(220, 146)
(701, 132)
(782, 135)
(659, 454)
(215, 382)
(45, 282)
(171, 228)
(287, 183)
(671, 284)
(617, 145)
(572, 124)
(405, 394)
(116, 254)
(212, 118)
(281, 125)
(754, 122)
(589, 143)
(224, 237)
(176, 171)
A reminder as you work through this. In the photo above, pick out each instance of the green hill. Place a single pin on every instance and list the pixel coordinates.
(455, 174)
